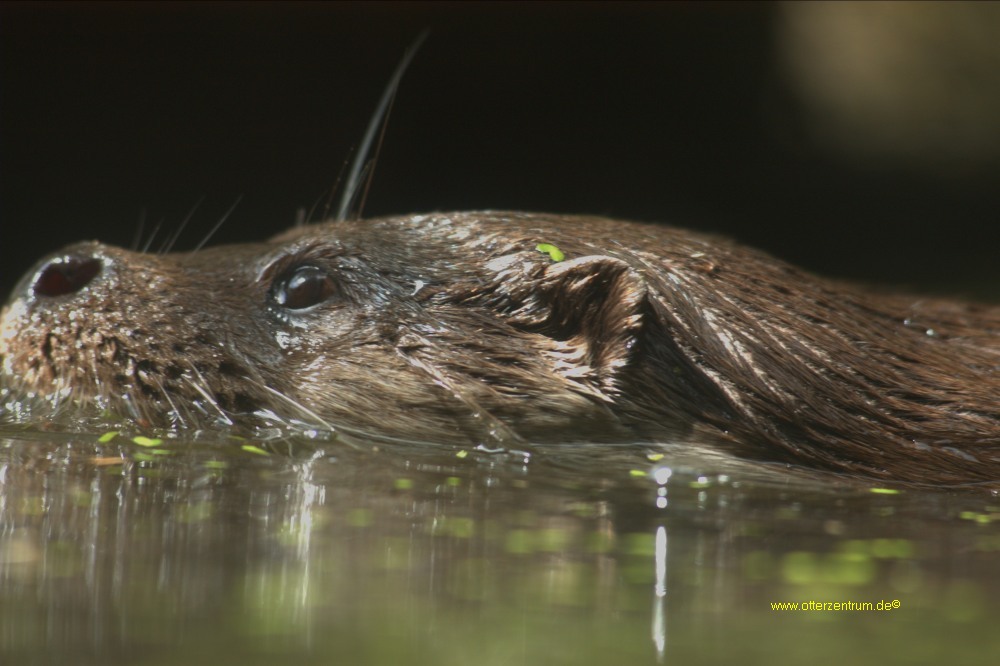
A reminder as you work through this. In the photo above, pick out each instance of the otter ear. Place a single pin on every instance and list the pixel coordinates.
(592, 308)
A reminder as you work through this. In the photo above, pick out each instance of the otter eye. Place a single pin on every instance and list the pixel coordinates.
(303, 287)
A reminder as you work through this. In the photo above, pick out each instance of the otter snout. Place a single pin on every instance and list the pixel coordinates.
(44, 324)
(163, 339)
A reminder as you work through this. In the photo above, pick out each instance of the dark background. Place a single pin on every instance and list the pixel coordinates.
(682, 113)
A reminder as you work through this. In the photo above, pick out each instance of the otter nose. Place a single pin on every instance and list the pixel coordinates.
(65, 274)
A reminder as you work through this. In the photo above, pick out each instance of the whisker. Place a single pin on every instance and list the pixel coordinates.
(379, 118)
(152, 237)
(218, 225)
(325, 215)
(496, 430)
(300, 407)
(169, 244)
(206, 394)
(303, 218)
(178, 417)
(339, 430)
(138, 231)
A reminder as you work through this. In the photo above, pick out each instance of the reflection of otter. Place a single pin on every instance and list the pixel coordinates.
(455, 327)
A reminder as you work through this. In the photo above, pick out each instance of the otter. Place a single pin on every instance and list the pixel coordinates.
(510, 327)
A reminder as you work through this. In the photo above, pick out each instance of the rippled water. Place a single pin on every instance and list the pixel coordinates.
(223, 553)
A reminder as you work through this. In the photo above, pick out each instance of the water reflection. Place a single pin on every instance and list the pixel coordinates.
(114, 553)
(659, 601)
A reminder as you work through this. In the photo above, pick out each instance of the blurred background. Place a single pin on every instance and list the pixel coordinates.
(858, 140)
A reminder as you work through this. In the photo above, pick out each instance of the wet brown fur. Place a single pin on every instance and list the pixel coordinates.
(454, 327)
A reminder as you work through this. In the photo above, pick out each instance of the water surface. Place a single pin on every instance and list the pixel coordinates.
(321, 553)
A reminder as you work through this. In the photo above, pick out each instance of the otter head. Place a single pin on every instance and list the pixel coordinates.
(417, 327)
(457, 328)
